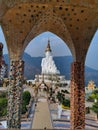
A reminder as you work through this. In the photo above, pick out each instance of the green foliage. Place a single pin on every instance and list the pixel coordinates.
(66, 102)
(3, 106)
(93, 96)
(25, 101)
(62, 99)
(3, 102)
(26, 97)
(24, 109)
(90, 99)
(3, 94)
(95, 107)
(95, 92)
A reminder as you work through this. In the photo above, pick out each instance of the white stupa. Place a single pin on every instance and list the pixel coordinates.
(49, 72)
(48, 65)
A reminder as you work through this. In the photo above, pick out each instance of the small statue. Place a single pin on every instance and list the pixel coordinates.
(59, 110)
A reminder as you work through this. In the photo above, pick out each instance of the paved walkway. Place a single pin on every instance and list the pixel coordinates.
(42, 118)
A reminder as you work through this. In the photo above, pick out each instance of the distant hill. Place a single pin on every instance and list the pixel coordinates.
(33, 66)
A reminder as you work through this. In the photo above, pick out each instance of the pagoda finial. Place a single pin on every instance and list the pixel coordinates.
(48, 46)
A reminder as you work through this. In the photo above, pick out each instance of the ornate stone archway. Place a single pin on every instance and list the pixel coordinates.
(48, 22)
(72, 20)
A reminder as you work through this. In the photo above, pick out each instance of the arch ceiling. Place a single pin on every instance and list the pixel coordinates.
(72, 20)
(49, 22)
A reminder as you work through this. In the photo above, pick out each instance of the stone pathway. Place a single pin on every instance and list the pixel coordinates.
(42, 118)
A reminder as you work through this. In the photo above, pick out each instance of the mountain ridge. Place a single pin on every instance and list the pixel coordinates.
(63, 63)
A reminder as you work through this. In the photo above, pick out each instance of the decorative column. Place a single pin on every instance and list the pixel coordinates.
(77, 96)
(1, 53)
(15, 94)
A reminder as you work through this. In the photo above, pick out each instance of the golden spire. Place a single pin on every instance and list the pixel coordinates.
(48, 46)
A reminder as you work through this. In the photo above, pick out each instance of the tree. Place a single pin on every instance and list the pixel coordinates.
(26, 97)
(25, 101)
(62, 99)
(95, 108)
(95, 92)
(93, 96)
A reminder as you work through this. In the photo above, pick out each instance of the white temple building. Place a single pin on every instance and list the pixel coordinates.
(49, 72)
(48, 64)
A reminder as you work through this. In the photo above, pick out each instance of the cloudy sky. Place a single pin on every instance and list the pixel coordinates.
(37, 47)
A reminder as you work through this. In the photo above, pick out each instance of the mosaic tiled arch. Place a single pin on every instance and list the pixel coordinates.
(48, 22)
(28, 13)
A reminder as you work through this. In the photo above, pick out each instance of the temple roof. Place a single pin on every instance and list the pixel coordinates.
(48, 46)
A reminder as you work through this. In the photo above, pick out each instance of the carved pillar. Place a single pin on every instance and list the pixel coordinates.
(1, 53)
(77, 96)
(14, 94)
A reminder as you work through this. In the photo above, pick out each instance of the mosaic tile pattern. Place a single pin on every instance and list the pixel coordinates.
(14, 94)
(77, 96)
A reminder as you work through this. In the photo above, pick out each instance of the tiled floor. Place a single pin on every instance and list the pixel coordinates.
(64, 122)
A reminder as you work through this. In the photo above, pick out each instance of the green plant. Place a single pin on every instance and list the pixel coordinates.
(26, 96)
(90, 99)
(95, 92)
(3, 106)
(93, 96)
(66, 102)
(24, 109)
(95, 108)
(3, 94)
(62, 99)
(3, 102)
